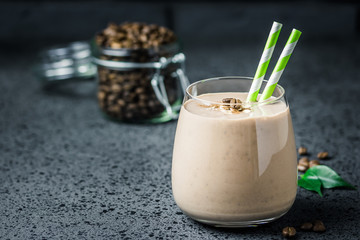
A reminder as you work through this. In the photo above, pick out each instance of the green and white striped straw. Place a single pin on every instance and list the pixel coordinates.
(281, 64)
(264, 62)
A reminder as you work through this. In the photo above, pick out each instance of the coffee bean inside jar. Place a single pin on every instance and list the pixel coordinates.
(140, 72)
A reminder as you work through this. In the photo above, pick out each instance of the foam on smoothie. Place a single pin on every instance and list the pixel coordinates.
(203, 106)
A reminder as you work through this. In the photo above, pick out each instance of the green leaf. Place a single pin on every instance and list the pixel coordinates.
(328, 177)
(322, 176)
(310, 182)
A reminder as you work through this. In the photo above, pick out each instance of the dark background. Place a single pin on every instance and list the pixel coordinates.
(66, 172)
(45, 22)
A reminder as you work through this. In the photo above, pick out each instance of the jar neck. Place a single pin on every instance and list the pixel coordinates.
(168, 50)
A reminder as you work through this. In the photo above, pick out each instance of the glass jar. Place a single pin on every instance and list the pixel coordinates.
(233, 168)
(140, 85)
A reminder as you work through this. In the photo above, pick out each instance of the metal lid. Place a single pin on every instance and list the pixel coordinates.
(72, 61)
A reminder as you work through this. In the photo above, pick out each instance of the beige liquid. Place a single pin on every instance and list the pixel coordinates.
(234, 167)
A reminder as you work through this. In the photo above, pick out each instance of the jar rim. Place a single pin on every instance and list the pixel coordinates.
(173, 48)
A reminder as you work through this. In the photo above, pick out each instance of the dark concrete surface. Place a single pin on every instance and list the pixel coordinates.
(68, 173)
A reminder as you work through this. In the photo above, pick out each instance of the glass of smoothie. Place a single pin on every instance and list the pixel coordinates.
(234, 163)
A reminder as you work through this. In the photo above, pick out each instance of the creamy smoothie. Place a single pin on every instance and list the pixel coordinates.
(234, 166)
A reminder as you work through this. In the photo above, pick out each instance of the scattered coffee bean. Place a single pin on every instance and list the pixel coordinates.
(302, 168)
(303, 164)
(289, 232)
(304, 161)
(302, 151)
(318, 226)
(314, 163)
(323, 155)
(307, 226)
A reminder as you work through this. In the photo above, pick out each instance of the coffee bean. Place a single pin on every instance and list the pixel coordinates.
(304, 161)
(116, 88)
(289, 232)
(307, 226)
(235, 103)
(302, 151)
(99, 39)
(318, 226)
(102, 79)
(129, 97)
(114, 108)
(143, 97)
(127, 86)
(323, 155)
(104, 88)
(302, 168)
(226, 100)
(120, 35)
(131, 106)
(132, 97)
(143, 38)
(142, 104)
(116, 45)
(162, 30)
(121, 102)
(139, 90)
(109, 31)
(303, 164)
(101, 95)
(111, 99)
(152, 104)
(146, 29)
(112, 76)
(314, 163)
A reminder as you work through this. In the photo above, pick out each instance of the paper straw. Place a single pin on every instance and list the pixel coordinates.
(264, 62)
(281, 64)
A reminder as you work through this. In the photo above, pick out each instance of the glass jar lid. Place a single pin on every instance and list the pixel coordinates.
(71, 61)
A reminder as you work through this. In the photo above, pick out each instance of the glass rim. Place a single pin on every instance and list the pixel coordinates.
(278, 86)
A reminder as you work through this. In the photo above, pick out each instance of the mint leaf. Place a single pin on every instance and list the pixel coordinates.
(328, 177)
(310, 182)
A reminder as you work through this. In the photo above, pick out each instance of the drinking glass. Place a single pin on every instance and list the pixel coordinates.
(238, 170)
